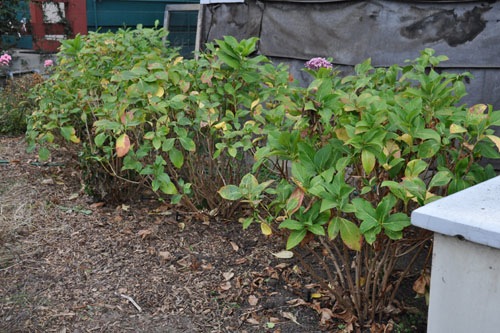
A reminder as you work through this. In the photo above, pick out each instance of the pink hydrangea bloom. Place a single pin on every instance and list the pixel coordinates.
(5, 59)
(317, 63)
(48, 63)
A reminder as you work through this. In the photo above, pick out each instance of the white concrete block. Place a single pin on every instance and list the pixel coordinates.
(473, 214)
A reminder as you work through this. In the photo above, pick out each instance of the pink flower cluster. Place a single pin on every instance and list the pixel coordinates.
(317, 63)
(5, 59)
(48, 63)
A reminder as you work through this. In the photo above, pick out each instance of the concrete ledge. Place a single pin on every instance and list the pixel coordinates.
(472, 214)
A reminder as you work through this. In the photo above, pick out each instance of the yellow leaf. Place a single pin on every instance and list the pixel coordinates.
(478, 109)
(392, 149)
(342, 134)
(74, 139)
(160, 92)
(222, 125)
(407, 138)
(266, 229)
(316, 295)
(254, 103)
(178, 60)
(122, 145)
(469, 146)
(454, 128)
(495, 139)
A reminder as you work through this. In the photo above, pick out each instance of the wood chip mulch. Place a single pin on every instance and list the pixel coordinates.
(68, 264)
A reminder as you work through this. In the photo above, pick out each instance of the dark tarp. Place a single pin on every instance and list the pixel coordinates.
(387, 32)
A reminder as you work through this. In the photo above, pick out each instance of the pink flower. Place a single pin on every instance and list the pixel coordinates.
(48, 63)
(317, 63)
(5, 59)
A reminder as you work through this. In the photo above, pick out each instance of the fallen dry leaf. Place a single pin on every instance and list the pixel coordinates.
(296, 302)
(165, 255)
(284, 254)
(73, 196)
(225, 286)
(235, 246)
(420, 285)
(144, 233)
(252, 321)
(228, 275)
(48, 181)
(240, 261)
(97, 204)
(291, 316)
(253, 300)
(326, 315)
(207, 267)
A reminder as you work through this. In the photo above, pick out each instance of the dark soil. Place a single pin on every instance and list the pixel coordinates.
(68, 264)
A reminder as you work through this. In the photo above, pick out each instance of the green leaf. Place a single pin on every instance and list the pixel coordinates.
(187, 143)
(176, 198)
(396, 188)
(176, 157)
(100, 138)
(385, 206)
(368, 161)
(230, 192)
(157, 142)
(334, 227)
(428, 149)
(365, 212)
(414, 168)
(441, 178)
(229, 59)
(427, 133)
(291, 224)
(168, 144)
(317, 229)
(68, 132)
(249, 182)
(396, 222)
(130, 163)
(350, 234)
(416, 187)
(43, 154)
(295, 238)
(246, 222)
(232, 151)
(168, 188)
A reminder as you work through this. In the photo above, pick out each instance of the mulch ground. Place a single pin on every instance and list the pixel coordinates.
(68, 264)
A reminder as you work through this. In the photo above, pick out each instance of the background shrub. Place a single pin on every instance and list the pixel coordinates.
(147, 118)
(15, 104)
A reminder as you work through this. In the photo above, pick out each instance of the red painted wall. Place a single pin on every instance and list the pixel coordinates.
(75, 23)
